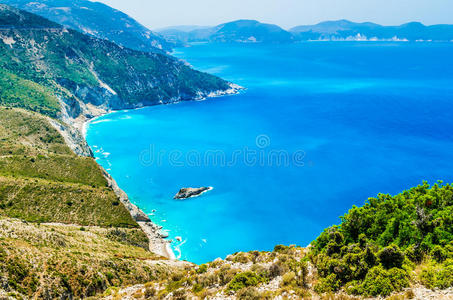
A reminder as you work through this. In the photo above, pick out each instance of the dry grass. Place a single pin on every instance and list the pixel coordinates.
(41, 180)
(50, 260)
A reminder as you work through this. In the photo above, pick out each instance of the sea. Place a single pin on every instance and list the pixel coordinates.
(319, 127)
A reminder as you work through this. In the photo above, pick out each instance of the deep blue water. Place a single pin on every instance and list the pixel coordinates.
(351, 119)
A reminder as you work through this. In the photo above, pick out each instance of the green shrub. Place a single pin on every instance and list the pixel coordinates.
(248, 293)
(439, 253)
(197, 288)
(289, 279)
(243, 280)
(242, 258)
(330, 283)
(276, 269)
(391, 257)
(382, 282)
(387, 234)
(202, 269)
(436, 275)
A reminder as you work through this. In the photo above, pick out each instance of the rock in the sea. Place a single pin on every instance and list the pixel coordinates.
(191, 192)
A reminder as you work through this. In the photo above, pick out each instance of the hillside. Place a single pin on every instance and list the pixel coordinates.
(241, 31)
(44, 64)
(63, 230)
(38, 168)
(98, 20)
(55, 261)
(399, 247)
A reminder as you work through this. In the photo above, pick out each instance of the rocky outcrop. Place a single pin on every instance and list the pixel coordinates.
(72, 137)
(186, 193)
(157, 240)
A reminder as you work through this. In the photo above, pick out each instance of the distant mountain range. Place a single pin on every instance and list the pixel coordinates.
(105, 22)
(98, 20)
(347, 30)
(243, 31)
(250, 31)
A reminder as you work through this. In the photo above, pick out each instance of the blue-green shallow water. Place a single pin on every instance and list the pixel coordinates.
(369, 118)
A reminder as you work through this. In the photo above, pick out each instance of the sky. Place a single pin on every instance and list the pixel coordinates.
(286, 13)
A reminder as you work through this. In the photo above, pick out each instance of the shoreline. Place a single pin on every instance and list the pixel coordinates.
(158, 243)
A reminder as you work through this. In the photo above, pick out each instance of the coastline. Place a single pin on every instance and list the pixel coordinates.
(158, 243)
(74, 134)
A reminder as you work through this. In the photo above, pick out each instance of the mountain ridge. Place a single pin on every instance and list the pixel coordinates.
(242, 31)
(245, 31)
(98, 20)
(344, 29)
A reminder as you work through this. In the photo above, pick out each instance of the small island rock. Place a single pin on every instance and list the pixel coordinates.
(191, 192)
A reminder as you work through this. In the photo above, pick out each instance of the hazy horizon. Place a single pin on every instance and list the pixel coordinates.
(285, 13)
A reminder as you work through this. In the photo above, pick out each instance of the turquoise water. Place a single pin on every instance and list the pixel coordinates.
(321, 127)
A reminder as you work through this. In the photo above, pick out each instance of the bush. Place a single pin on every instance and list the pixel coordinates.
(197, 288)
(391, 257)
(226, 274)
(414, 253)
(202, 269)
(243, 280)
(436, 275)
(179, 294)
(289, 279)
(242, 258)
(330, 283)
(382, 282)
(207, 280)
(439, 253)
(248, 293)
(276, 269)
(150, 292)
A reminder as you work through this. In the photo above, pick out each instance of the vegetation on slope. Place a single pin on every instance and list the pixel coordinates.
(388, 247)
(25, 133)
(67, 261)
(376, 247)
(41, 180)
(81, 69)
(18, 92)
(255, 275)
(97, 19)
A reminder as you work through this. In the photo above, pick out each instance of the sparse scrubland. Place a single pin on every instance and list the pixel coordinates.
(63, 231)
(288, 272)
(50, 261)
